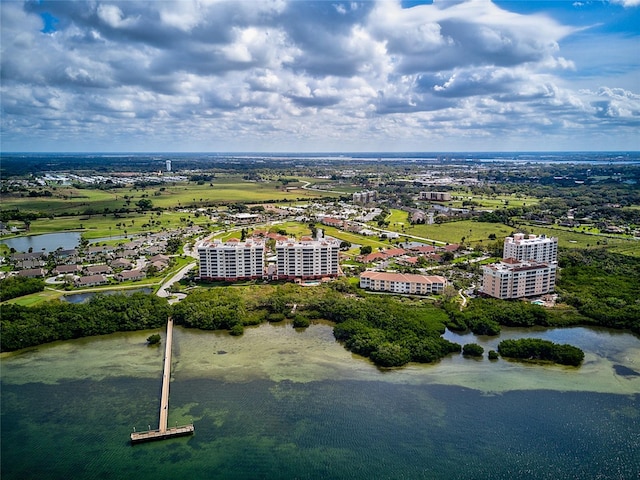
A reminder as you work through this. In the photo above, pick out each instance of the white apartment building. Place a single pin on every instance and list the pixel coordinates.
(514, 279)
(232, 260)
(402, 283)
(537, 248)
(307, 258)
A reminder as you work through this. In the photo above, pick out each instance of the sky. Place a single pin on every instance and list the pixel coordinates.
(319, 76)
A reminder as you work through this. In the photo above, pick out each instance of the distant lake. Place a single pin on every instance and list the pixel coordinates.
(48, 241)
(279, 403)
(52, 241)
(85, 297)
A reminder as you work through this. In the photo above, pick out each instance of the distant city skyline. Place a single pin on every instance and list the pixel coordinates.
(320, 76)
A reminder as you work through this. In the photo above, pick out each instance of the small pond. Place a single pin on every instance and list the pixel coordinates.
(85, 297)
(48, 242)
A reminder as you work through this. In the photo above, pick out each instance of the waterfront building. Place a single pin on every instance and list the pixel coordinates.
(532, 247)
(307, 258)
(515, 279)
(232, 260)
(402, 282)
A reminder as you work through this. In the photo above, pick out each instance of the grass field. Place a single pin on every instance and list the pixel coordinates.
(107, 225)
(35, 298)
(572, 239)
(74, 201)
(354, 238)
(492, 201)
(451, 232)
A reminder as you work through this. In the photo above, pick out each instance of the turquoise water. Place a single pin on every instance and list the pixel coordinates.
(279, 403)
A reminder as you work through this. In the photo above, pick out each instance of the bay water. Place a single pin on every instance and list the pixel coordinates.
(285, 403)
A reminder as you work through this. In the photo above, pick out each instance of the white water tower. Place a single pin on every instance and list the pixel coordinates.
(168, 165)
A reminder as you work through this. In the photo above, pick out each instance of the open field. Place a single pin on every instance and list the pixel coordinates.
(398, 218)
(35, 298)
(450, 232)
(74, 201)
(354, 238)
(573, 239)
(492, 201)
(108, 225)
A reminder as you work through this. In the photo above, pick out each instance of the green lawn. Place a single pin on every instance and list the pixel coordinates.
(104, 226)
(355, 238)
(225, 189)
(452, 232)
(492, 201)
(572, 239)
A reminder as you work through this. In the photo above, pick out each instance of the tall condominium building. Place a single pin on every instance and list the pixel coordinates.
(536, 248)
(368, 196)
(514, 279)
(307, 258)
(232, 260)
(402, 283)
(435, 196)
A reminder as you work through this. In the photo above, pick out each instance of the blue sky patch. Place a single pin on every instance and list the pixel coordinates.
(50, 23)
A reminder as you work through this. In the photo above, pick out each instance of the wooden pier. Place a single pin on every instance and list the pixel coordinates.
(163, 432)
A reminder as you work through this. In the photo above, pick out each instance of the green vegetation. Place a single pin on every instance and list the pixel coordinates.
(483, 316)
(453, 232)
(28, 326)
(224, 189)
(472, 350)
(603, 286)
(493, 355)
(391, 332)
(537, 349)
(13, 287)
(153, 339)
(214, 309)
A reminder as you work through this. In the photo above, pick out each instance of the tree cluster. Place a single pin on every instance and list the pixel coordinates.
(28, 326)
(388, 331)
(603, 286)
(484, 316)
(537, 349)
(13, 287)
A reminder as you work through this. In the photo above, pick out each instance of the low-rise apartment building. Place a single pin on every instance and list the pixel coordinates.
(514, 279)
(402, 283)
(232, 260)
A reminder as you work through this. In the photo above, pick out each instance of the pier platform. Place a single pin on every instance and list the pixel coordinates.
(163, 432)
(152, 435)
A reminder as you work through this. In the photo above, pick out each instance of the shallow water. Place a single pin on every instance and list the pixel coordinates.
(282, 403)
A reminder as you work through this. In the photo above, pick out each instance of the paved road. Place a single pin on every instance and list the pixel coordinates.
(163, 291)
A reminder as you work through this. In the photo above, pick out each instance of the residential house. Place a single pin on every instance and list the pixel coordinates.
(122, 263)
(32, 273)
(97, 269)
(67, 269)
(91, 281)
(130, 275)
